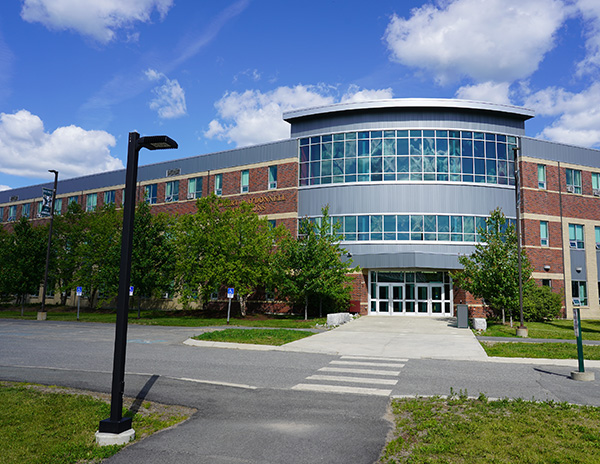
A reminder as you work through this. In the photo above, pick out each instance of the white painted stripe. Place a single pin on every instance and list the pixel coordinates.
(336, 378)
(210, 382)
(359, 371)
(362, 363)
(339, 389)
(369, 358)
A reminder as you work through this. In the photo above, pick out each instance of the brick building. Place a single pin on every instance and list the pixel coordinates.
(410, 181)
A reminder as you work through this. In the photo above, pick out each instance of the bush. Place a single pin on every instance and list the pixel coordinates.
(540, 304)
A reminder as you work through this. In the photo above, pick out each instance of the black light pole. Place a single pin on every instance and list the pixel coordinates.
(521, 330)
(41, 316)
(117, 423)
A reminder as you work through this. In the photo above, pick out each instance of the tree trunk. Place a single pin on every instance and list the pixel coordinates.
(320, 306)
(139, 305)
(243, 303)
(306, 308)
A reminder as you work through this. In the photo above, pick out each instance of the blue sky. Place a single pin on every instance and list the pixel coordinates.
(76, 77)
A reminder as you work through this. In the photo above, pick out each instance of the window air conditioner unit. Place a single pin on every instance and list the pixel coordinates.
(596, 192)
(544, 242)
(573, 244)
(273, 185)
(597, 246)
(191, 196)
(169, 199)
(570, 189)
(576, 302)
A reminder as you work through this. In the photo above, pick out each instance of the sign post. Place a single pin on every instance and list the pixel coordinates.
(230, 293)
(79, 293)
(580, 374)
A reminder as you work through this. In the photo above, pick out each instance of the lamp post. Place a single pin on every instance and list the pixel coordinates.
(521, 330)
(41, 315)
(116, 424)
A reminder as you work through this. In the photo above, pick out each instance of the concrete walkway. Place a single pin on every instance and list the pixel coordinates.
(395, 337)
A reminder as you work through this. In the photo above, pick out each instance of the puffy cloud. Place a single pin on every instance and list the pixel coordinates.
(590, 12)
(99, 19)
(486, 40)
(169, 101)
(26, 149)
(579, 114)
(4, 187)
(494, 92)
(254, 117)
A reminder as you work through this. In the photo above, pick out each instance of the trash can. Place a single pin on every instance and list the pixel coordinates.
(462, 316)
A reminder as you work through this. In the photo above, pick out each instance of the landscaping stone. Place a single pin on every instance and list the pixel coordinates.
(338, 319)
(479, 323)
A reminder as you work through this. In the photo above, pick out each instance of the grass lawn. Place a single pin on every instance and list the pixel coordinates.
(275, 337)
(540, 350)
(166, 318)
(460, 430)
(561, 329)
(40, 424)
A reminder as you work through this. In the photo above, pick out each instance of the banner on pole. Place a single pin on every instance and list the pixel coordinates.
(46, 210)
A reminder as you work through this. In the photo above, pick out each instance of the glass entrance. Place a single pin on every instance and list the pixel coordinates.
(417, 293)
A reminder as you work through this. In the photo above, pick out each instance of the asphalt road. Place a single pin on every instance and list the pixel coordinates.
(262, 407)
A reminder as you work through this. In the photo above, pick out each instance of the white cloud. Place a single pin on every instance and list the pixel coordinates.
(254, 117)
(579, 114)
(486, 40)
(26, 149)
(98, 19)
(590, 12)
(494, 92)
(4, 187)
(169, 102)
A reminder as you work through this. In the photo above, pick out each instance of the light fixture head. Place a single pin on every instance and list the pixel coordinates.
(157, 142)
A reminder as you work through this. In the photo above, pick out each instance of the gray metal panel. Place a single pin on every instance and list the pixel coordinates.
(598, 265)
(426, 118)
(551, 151)
(578, 261)
(221, 160)
(390, 198)
(407, 260)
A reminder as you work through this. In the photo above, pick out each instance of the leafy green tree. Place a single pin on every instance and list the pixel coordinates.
(221, 245)
(99, 253)
(313, 264)
(4, 264)
(67, 239)
(24, 259)
(153, 255)
(491, 272)
(541, 304)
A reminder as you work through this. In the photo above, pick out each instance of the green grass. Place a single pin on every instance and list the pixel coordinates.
(540, 350)
(557, 329)
(460, 430)
(39, 425)
(167, 318)
(275, 337)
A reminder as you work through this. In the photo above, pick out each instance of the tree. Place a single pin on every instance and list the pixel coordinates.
(312, 264)
(491, 272)
(152, 260)
(221, 245)
(24, 260)
(541, 304)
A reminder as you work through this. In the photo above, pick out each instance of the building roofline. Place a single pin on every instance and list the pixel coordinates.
(408, 103)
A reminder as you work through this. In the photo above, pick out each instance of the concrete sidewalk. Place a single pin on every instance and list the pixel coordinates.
(408, 337)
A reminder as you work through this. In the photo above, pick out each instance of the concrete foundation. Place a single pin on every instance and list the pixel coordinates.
(582, 376)
(41, 316)
(479, 323)
(522, 332)
(105, 439)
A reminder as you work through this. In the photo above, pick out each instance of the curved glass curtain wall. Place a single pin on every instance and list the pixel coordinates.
(408, 227)
(407, 155)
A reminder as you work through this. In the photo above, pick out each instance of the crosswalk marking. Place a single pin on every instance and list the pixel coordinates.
(341, 389)
(361, 363)
(366, 358)
(335, 378)
(359, 371)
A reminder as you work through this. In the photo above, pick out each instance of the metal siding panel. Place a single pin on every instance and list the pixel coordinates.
(578, 260)
(551, 151)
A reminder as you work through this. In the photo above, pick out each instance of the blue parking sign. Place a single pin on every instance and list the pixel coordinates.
(230, 292)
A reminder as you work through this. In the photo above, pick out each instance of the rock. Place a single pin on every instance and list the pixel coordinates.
(335, 319)
(479, 323)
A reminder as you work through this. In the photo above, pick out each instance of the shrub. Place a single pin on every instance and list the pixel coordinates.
(540, 304)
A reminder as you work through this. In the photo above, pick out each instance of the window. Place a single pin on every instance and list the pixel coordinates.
(272, 223)
(245, 181)
(576, 236)
(541, 176)
(579, 293)
(57, 206)
(272, 177)
(544, 233)
(546, 283)
(194, 188)
(596, 184)
(573, 181)
(1, 213)
(219, 184)
(26, 210)
(597, 232)
(172, 191)
(12, 213)
(91, 201)
(109, 197)
(150, 194)
(73, 199)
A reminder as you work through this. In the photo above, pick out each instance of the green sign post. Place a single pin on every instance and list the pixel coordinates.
(580, 374)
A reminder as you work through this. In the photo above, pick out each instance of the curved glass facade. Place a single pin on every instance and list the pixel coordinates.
(407, 155)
